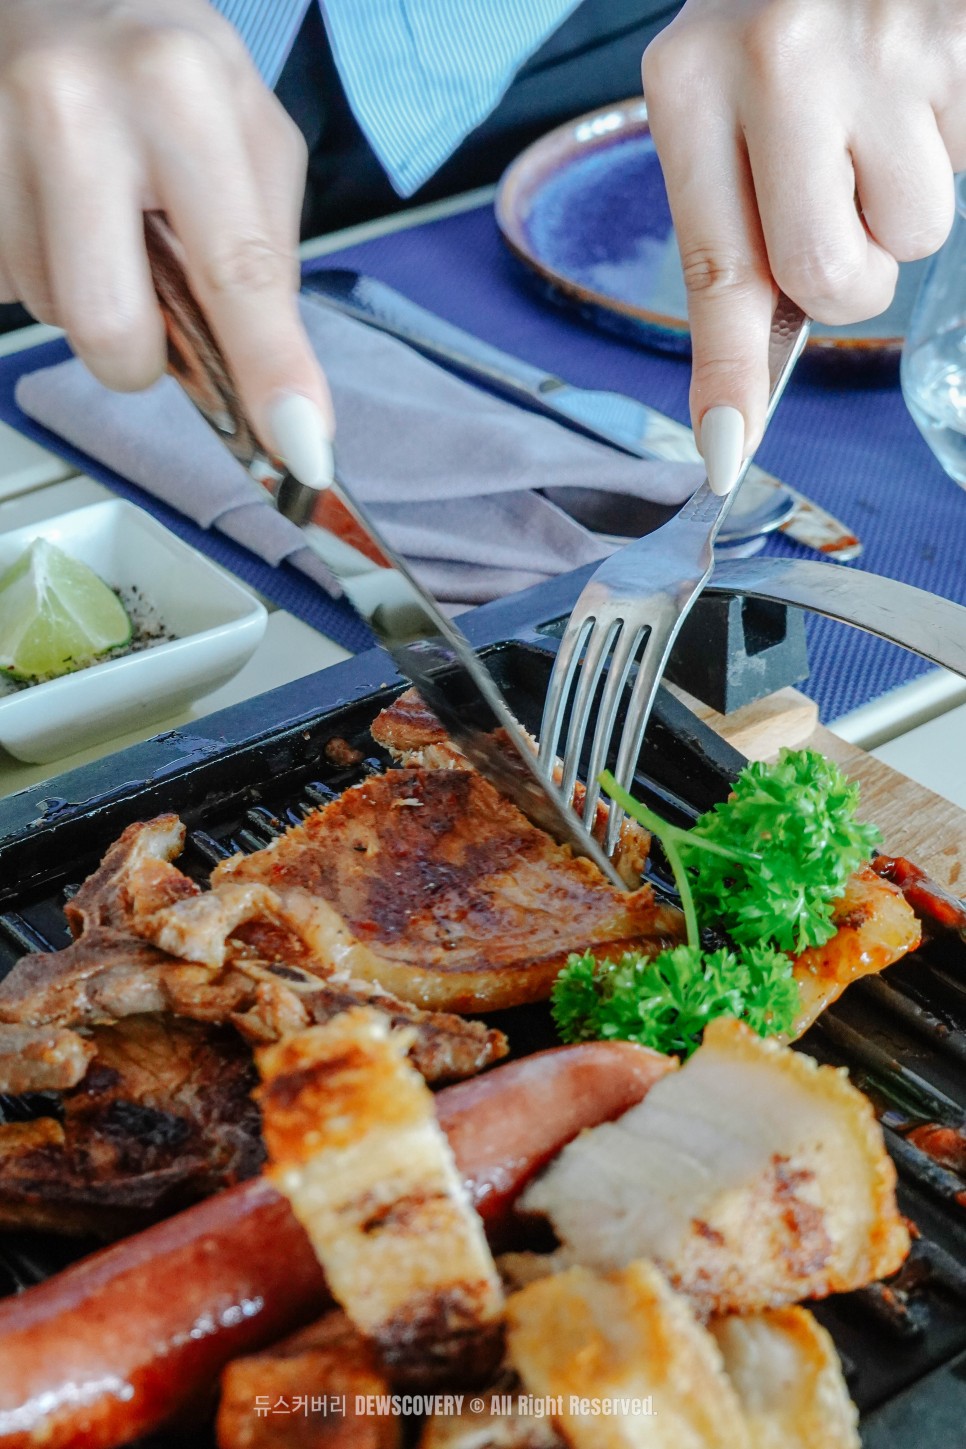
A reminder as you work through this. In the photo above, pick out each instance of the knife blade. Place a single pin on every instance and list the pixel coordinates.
(427, 647)
(608, 417)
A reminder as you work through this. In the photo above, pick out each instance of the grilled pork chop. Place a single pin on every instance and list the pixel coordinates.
(238, 961)
(428, 882)
(162, 1116)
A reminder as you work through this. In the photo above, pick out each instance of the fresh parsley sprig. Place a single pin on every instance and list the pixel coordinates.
(766, 865)
(666, 1002)
(793, 840)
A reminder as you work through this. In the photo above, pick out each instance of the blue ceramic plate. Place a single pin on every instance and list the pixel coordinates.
(586, 210)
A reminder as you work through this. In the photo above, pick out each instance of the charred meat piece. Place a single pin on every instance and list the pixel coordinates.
(933, 903)
(431, 884)
(291, 1396)
(415, 738)
(752, 1176)
(876, 926)
(354, 1144)
(162, 1117)
(444, 1047)
(110, 970)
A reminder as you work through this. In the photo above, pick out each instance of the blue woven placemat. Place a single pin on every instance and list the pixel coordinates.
(845, 440)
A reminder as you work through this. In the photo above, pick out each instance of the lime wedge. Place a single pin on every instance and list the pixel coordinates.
(55, 615)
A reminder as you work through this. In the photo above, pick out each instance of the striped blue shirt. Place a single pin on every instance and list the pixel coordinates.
(418, 74)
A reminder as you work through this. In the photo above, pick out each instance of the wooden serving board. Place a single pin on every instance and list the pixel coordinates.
(913, 820)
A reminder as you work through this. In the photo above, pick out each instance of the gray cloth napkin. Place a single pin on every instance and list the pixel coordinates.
(449, 471)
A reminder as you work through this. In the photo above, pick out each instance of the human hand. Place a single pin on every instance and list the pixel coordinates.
(808, 145)
(110, 110)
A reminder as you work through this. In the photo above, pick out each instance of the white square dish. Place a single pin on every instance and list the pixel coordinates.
(217, 624)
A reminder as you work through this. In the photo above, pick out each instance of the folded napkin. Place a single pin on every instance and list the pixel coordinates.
(450, 472)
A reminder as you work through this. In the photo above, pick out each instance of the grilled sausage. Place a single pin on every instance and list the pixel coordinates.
(137, 1333)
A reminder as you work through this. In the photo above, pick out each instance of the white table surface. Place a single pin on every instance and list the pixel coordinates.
(919, 729)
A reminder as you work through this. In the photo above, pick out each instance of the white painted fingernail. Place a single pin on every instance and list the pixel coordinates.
(302, 439)
(723, 447)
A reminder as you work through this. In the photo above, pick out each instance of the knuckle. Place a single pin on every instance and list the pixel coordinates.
(776, 39)
(51, 87)
(170, 58)
(247, 264)
(710, 272)
(672, 62)
(822, 275)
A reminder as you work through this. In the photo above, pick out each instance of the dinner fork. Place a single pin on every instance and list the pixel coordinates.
(630, 612)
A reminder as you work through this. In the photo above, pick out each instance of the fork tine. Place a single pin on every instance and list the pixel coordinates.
(558, 691)
(602, 639)
(638, 713)
(622, 660)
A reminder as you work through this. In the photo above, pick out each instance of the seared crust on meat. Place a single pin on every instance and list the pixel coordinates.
(443, 1047)
(789, 1380)
(876, 926)
(321, 1368)
(433, 885)
(416, 739)
(163, 1116)
(354, 1144)
(626, 1335)
(752, 1176)
(413, 735)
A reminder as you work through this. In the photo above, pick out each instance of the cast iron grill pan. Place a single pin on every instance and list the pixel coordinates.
(238, 785)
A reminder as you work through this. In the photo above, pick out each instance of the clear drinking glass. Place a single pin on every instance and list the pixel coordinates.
(934, 353)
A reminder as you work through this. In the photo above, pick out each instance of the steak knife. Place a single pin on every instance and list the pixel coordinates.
(428, 648)
(608, 417)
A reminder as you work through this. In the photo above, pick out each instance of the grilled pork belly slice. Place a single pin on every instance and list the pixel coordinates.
(626, 1335)
(306, 1377)
(752, 1176)
(876, 926)
(788, 1378)
(162, 1117)
(431, 884)
(354, 1145)
(415, 738)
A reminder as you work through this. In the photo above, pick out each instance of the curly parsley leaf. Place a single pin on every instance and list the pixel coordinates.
(797, 816)
(665, 1002)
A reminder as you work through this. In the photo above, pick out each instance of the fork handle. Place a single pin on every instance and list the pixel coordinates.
(786, 339)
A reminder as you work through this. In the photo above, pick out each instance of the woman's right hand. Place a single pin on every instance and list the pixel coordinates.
(808, 145)
(108, 110)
